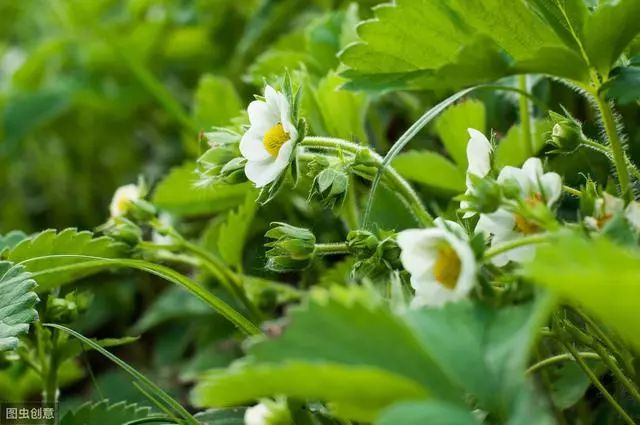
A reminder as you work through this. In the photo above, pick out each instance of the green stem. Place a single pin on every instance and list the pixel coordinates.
(606, 151)
(596, 382)
(399, 184)
(351, 213)
(337, 248)
(613, 366)
(572, 191)
(561, 358)
(525, 117)
(517, 243)
(51, 379)
(89, 262)
(617, 149)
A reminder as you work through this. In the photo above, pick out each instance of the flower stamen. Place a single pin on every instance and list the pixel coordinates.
(446, 268)
(274, 138)
(525, 226)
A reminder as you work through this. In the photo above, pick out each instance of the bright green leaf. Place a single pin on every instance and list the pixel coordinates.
(511, 149)
(66, 242)
(105, 413)
(594, 274)
(431, 169)
(356, 391)
(426, 412)
(452, 127)
(216, 101)
(178, 193)
(234, 231)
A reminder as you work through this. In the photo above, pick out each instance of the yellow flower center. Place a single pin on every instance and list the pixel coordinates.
(447, 267)
(274, 138)
(524, 226)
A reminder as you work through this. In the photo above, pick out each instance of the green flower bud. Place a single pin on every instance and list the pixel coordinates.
(142, 210)
(124, 230)
(361, 243)
(67, 309)
(233, 171)
(292, 247)
(588, 199)
(566, 134)
(511, 189)
(330, 186)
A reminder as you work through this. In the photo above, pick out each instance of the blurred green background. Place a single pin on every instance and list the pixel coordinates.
(94, 93)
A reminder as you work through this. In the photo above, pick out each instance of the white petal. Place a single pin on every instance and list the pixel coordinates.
(610, 204)
(504, 258)
(518, 176)
(497, 223)
(522, 254)
(122, 198)
(419, 249)
(532, 168)
(451, 226)
(257, 415)
(252, 146)
(261, 117)
(478, 153)
(428, 292)
(551, 187)
(261, 173)
(632, 213)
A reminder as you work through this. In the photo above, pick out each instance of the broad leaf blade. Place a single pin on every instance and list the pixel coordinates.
(17, 301)
(430, 169)
(47, 250)
(105, 413)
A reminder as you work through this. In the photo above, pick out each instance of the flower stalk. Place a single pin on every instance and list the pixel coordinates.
(399, 184)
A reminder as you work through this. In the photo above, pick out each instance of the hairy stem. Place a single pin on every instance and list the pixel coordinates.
(559, 359)
(617, 149)
(596, 382)
(337, 248)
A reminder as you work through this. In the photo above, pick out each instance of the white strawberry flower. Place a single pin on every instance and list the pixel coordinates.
(607, 206)
(440, 261)
(479, 160)
(268, 143)
(122, 198)
(504, 225)
(257, 415)
(269, 412)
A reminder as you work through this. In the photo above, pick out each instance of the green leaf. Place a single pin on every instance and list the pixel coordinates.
(355, 391)
(72, 348)
(178, 193)
(566, 17)
(569, 383)
(343, 112)
(624, 87)
(426, 412)
(431, 169)
(105, 413)
(11, 239)
(609, 30)
(172, 304)
(452, 127)
(235, 230)
(216, 101)
(432, 44)
(17, 301)
(511, 150)
(490, 351)
(318, 334)
(222, 416)
(35, 253)
(597, 275)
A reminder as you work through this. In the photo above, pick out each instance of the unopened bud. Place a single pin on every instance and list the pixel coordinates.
(330, 186)
(566, 134)
(292, 247)
(361, 243)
